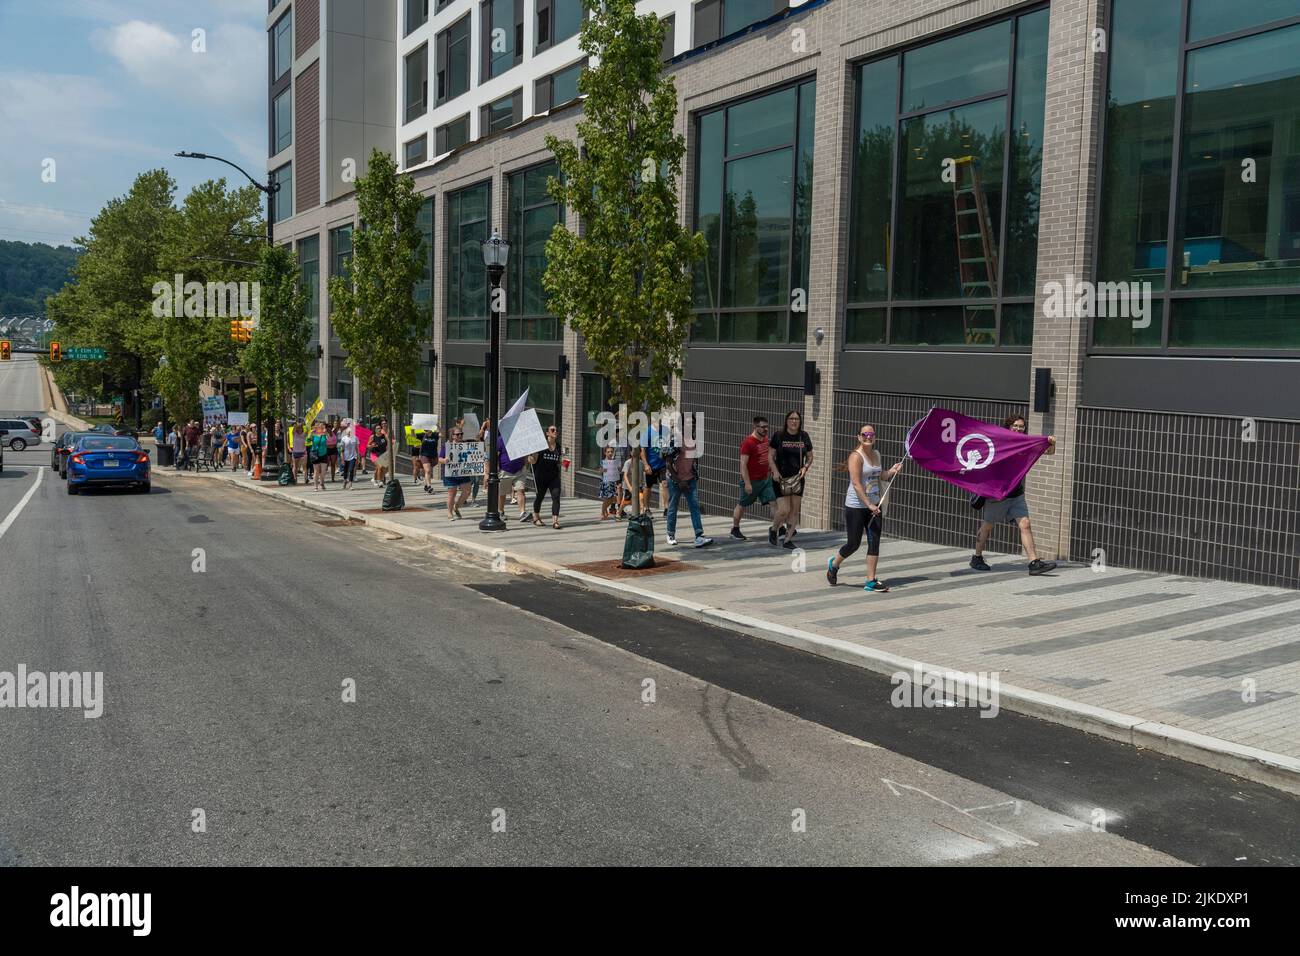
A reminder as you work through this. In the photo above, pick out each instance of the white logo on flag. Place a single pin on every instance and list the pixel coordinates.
(975, 459)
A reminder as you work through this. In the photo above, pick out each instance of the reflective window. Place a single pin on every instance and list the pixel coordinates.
(417, 14)
(564, 84)
(467, 227)
(738, 14)
(282, 114)
(533, 214)
(453, 60)
(282, 198)
(937, 236)
(1212, 18)
(595, 400)
(1230, 167)
(282, 45)
(543, 393)
(466, 391)
(567, 16)
(753, 205)
(309, 264)
(416, 152)
(417, 83)
(423, 292)
(451, 136)
(961, 68)
(500, 52)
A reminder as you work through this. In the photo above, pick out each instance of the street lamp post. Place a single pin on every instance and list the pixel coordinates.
(495, 253)
(270, 189)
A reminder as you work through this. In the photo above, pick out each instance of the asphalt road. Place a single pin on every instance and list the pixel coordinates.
(474, 703)
(20, 385)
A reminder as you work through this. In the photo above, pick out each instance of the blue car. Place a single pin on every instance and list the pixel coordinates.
(107, 461)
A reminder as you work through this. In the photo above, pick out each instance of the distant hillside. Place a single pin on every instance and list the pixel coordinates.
(29, 271)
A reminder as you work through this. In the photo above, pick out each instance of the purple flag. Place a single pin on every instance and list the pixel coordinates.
(984, 459)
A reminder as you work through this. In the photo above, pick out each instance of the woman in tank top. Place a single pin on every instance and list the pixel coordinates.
(862, 508)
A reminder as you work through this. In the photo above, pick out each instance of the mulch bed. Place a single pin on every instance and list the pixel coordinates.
(613, 571)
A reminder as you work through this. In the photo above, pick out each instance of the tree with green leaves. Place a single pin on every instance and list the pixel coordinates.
(625, 283)
(278, 354)
(375, 313)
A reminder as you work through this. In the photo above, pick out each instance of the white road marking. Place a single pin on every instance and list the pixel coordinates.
(894, 786)
(18, 508)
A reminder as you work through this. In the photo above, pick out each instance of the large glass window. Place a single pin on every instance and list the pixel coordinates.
(423, 292)
(416, 151)
(309, 263)
(557, 20)
(467, 227)
(282, 115)
(543, 393)
(340, 380)
(453, 60)
(452, 136)
(738, 14)
(282, 46)
(417, 14)
(1224, 150)
(944, 232)
(417, 83)
(466, 391)
(753, 205)
(282, 198)
(340, 260)
(502, 37)
(533, 214)
(595, 399)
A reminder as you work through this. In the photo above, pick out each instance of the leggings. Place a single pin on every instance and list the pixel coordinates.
(859, 521)
(349, 469)
(554, 488)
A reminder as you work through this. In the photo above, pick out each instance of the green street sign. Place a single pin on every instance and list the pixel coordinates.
(84, 354)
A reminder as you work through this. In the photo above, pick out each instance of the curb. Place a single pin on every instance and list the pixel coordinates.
(1275, 770)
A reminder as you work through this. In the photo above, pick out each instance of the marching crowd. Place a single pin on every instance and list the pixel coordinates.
(772, 469)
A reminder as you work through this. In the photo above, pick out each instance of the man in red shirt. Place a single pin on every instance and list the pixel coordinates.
(755, 479)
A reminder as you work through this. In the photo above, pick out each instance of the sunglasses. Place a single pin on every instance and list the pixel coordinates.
(866, 434)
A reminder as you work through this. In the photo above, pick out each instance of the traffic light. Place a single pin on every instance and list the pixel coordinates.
(235, 332)
(56, 352)
(241, 331)
(6, 350)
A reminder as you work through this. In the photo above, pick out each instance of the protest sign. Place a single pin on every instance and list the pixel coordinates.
(465, 459)
(523, 434)
(214, 410)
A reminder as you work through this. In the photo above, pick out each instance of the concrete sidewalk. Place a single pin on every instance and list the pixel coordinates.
(1203, 670)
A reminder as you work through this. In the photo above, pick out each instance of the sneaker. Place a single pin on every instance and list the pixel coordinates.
(832, 572)
(1039, 566)
(735, 533)
(522, 515)
(458, 514)
(672, 542)
(781, 531)
(771, 537)
(979, 564)
(702, 542)
(874, 585)
(789, 544)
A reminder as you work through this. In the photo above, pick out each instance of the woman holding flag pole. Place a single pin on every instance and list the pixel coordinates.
(862, 508)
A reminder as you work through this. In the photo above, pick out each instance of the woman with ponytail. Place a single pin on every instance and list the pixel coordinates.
(862, 508)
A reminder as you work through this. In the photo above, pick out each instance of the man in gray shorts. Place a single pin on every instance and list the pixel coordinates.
(1011, 508)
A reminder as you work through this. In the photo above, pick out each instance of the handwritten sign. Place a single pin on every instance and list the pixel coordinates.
(214, 410)
(465, 459)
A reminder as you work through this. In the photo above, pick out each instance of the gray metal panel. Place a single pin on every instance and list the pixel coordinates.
(463, 353)
(1245, 388)
(991, 376)
(532, 355)
(750, 366)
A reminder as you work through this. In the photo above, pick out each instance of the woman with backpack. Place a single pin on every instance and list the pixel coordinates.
(682, 474)
(791, 452)
(862, 508)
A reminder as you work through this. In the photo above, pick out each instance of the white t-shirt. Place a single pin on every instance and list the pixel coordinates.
(348, 446)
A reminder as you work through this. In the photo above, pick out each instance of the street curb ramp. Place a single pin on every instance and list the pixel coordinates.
(1261, 766)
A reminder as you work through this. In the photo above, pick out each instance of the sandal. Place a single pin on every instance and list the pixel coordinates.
(555, 523)
(537, 521)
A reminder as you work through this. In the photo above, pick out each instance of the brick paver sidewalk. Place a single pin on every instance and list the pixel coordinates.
(1159, 660)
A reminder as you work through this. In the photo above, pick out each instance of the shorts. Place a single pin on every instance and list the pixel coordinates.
(299, 454)
(654, 477)
(455, 482)
(608, 489)
(516, 480)
(797, 493)
(1008, 509)
(426, 460)
(762, 493)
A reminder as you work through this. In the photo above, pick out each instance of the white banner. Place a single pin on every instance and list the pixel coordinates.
(214, 410)
(472, 424)
(237, 418)
(523, 434)
(465, 459)
(424, 422)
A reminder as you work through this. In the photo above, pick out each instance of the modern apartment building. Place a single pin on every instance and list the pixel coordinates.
(901, 198)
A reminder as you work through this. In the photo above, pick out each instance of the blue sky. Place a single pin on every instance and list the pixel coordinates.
(110, 88)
